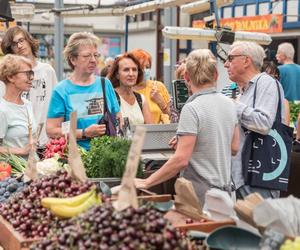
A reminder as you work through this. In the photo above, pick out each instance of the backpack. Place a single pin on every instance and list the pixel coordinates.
(137, 96)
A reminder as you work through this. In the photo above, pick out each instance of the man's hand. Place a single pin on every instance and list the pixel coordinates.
(173, 142)
(140, 183)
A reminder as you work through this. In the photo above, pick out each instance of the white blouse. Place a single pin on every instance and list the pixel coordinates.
(133, 112)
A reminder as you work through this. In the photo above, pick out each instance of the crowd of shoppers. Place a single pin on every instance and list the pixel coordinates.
(211, 129)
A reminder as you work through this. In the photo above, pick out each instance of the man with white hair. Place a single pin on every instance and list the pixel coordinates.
(289, 71)
(244, 63)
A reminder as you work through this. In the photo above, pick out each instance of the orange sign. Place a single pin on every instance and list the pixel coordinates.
(265, 24)
(3, 25)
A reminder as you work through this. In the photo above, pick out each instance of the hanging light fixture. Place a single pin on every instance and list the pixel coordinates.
(210, 35)
(201, 6)
(153, 5)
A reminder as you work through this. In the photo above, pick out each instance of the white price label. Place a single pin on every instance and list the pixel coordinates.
(65, 127)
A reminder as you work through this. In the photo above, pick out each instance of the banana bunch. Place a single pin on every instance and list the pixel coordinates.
(70, 207)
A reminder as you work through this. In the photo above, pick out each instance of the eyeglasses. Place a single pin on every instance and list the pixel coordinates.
(15, 44)
(29, 73)
(231, 57)
(89, 56)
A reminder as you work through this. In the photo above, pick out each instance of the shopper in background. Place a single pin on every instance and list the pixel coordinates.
(289, 71)
(124, 75)
(155, 92)
(272, 69)
(244, 63)
(20, 42)
(16, 114)
(81, 92)
(207, 132)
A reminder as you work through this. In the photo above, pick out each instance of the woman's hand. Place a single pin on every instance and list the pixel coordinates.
(25, 150)
(173, 142)
(157, 97)
(95, 130)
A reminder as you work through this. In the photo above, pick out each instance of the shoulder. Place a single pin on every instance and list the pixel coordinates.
(62, 85)
(44, 66)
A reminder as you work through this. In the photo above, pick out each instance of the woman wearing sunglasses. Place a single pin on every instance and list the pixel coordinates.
(16, 114)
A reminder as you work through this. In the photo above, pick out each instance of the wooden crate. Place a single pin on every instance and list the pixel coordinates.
(11, 239)
(178, 220)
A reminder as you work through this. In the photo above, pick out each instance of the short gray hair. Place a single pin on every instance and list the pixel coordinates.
(287, 49)
(201, 65)
(10, 65)
(75, 41)
(252, 50)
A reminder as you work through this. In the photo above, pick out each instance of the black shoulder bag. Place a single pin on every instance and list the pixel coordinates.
(266, 158)
(108, 118)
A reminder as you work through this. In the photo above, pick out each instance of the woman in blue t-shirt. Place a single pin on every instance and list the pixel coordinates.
(81, 92)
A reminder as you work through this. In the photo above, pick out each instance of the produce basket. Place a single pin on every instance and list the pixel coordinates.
(11, 239)
(178, 220)
(158, 135)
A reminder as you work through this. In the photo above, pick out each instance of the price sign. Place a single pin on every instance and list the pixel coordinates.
(180, 92)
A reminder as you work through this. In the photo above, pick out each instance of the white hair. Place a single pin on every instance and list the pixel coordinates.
(252, 50)
(287, 49)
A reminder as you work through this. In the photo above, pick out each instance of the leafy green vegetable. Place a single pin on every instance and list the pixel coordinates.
(107, 157)
(294, 111)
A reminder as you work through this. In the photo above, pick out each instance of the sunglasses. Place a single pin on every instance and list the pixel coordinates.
(29, 73)
(231, 57)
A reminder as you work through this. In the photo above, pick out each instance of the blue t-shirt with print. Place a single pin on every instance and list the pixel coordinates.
(86, 100)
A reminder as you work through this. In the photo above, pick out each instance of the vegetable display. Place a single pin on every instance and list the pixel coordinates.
(104, 228)
(107, 157)
(5, 170)
(10, 186)
(56, 146)
(294, 111)
(18, 164)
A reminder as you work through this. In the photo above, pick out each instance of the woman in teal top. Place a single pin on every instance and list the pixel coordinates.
(81, 92)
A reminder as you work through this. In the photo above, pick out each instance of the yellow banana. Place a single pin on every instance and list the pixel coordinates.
(65, 211)
(72, 201)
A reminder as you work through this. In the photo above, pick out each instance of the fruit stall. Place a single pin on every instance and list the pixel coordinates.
(69, 205)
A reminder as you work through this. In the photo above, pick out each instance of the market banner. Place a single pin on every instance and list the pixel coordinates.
(264, 23)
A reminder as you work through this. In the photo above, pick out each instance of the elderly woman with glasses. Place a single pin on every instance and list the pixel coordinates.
(16, 114)
(81, 92)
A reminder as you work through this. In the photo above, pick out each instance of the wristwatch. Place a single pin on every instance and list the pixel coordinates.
(83, 136)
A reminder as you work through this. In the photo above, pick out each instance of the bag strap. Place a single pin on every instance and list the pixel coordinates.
(137, 96)
(104, 95)
(139, 99)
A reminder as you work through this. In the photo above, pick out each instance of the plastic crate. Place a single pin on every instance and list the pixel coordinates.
(158, 135)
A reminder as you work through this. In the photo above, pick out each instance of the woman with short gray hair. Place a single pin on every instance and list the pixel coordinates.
(16, 114)
(81, 92)
(207, 132)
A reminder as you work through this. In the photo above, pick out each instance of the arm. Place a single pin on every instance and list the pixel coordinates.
(173, 166)
(235, 143)
(261, 118)
(287, 112)
(160, 96)
(298, 128)
(53, 129)
(16, 151)
(146, 113)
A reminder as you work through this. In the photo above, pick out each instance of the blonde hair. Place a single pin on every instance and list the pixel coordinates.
(201, 65)
(287, 49)
(10, 65)
(252, 50)
(75, 41)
